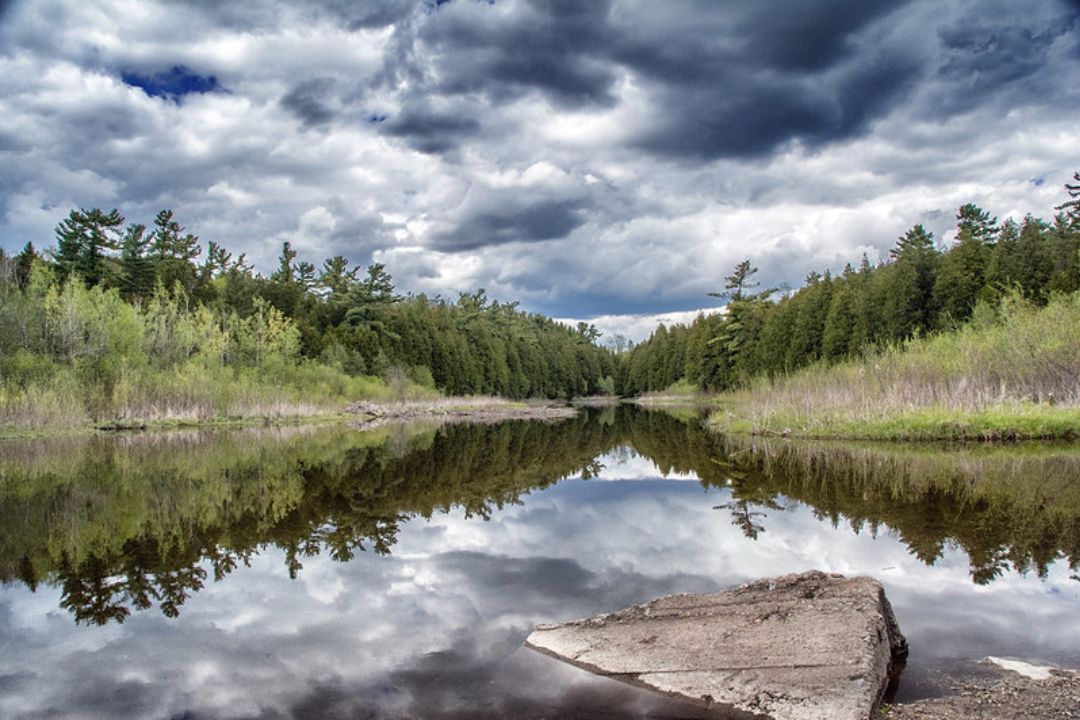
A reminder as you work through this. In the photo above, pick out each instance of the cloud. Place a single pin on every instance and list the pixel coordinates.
(495, 221)
(554, 47)
(667, 141)
(432, 131)
(309, 101)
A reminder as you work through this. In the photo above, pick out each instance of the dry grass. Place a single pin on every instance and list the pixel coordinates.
(1023, 368)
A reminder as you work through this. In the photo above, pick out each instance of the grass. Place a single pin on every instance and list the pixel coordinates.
(680, 392)
(1011, 377)
(999, 423)
(188, 395)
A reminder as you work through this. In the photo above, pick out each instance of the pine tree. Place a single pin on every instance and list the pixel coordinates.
(216, 263)
(168, 239)
(962, 270)
(305, 275)
(977, 222)
(1034, 264)
(285, 272)
(909, 300)
(83, 242)
(24, 264)
(336, 276)
(1071, 208)
(136, 269)
(738, 282)
(173, 253)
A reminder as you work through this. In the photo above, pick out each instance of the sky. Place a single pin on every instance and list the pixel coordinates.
(608, 160)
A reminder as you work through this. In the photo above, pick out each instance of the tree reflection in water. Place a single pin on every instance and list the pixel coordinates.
(130, 523)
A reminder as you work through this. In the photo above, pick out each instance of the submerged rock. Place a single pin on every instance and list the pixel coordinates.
(796, 647)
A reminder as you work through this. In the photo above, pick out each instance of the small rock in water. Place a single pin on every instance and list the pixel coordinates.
(796, 647)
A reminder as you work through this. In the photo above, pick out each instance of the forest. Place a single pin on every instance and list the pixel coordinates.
(119, 321)
(920, 290)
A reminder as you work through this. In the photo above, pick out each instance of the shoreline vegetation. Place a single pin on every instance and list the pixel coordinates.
(118, 328)
(975, 340)
(1013, 375)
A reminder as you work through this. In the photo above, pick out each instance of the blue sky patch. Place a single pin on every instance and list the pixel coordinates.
(173, 84)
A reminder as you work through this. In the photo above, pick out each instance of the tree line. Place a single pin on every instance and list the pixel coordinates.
(920, 288)
(113, 300)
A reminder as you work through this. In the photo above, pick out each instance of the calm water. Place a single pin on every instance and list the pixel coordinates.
(325, 572)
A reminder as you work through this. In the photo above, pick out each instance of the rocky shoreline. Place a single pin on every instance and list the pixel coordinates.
(997, 694)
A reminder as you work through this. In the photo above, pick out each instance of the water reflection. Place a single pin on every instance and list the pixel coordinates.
(129, 523)
(324, 572)
(141, 521)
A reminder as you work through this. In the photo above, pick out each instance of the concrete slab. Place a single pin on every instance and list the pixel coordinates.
(796, 647)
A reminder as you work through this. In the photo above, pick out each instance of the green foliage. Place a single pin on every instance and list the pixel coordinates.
(1009, 374)
(123, 325)
(919, 291)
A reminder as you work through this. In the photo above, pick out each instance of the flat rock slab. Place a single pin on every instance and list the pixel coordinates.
(796, 647)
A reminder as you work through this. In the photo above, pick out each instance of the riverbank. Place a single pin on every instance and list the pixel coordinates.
(999, 694)
(365, 413)
(1002, 423)
(1010, 376)
(471, 409)
(112, 427)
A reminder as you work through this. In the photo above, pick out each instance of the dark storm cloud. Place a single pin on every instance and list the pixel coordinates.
(309, 101)
(511, 218)
(555, 47)
(747, 78)
(727, 79)
(431, 131)
(984, 58)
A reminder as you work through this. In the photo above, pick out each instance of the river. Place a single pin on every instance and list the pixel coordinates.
(320, 571)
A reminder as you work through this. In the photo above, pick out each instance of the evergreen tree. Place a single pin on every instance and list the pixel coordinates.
(1071, 207)
(136, 269)
(813, 305)
(1063, 245)
(305, 275)
(839, 330)
(84, 240)
(173, 253)
(216, 263)
(909, 301)
(1003, 270)
(962, 270)
(1034, 265)
(285, 272)
(738, 282)
(24, 264)
(336, 276)
(169, 241)
(977, 222)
